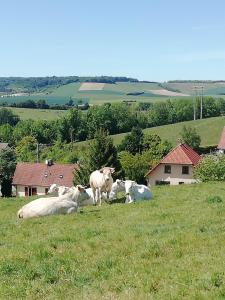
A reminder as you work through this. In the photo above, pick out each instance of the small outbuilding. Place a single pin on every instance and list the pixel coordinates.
(35, 178)
(221, 145)
(175, 168)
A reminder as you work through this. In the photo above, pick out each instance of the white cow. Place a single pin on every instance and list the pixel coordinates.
(117, 186)
(60, 189)
(136, 192)
(101, 181)
(65, 204)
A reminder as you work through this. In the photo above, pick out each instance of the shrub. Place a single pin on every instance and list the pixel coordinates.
(211, 168)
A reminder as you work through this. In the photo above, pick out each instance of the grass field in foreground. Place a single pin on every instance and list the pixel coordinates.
(209, 129)
(169, 248)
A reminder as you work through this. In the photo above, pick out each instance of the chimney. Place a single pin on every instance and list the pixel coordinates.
(48, 162)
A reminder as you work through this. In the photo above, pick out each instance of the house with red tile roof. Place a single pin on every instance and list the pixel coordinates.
(221, 145)
(175, 168)
(36, 178)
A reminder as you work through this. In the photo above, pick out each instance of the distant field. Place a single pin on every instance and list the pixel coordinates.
(169, 248)
(98, 93)
(38, 114)
(209, 130)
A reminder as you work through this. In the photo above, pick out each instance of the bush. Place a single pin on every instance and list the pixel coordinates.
(211, 168)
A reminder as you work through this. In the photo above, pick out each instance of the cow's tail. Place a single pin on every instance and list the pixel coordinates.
(20, 214)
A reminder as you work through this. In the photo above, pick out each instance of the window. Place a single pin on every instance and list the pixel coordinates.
(181, 182)
(185, 170)
(167, 169)
(161, 182)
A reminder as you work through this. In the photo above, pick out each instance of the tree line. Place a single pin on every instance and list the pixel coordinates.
(116, 118)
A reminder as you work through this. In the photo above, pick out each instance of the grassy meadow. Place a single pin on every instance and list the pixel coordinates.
(169, 248)
(209, 130)
(38, 114)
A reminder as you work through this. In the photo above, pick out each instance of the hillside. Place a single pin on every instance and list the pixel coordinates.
(209, 130)
(169, 248)
(56, 90)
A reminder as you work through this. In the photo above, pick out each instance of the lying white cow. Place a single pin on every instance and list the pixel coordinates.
(65, 204)
(117, 186)
(136, 192)
(101, 181)
(60, 189)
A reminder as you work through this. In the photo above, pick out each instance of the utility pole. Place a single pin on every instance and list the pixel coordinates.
(202, 87)
(38, 152)
(195, 100)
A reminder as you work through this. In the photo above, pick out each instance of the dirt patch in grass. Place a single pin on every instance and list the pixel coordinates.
(163, 92)
(91, 86)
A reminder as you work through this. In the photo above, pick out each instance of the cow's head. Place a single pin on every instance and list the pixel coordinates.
(82, 194)
(53, 188)
(107, 172)
(129, 190)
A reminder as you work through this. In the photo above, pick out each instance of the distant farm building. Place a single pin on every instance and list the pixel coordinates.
(32, 179)
(221, 145)
(175, 168)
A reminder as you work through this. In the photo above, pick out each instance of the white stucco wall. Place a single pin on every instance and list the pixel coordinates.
(174, 177)
(20, 190)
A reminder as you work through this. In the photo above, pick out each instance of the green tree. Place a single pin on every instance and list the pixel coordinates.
(133, 142)
(7, 169)
(101, 153)
(26, 149)
(191, 137)
(8, 117)
(6, 134)
(211, 168)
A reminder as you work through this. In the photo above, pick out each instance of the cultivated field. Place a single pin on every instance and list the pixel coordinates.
(98, 93)
(169, 248)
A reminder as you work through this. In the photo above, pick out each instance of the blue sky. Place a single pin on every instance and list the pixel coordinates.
(149, 40)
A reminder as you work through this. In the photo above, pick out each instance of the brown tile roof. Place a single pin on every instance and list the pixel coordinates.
(3, 146)
(182, 154)
(221, 144)
(39, 174)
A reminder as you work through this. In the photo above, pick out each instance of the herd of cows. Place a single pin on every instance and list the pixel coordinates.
(68, 199)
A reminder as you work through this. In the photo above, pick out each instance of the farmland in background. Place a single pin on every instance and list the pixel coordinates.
(119, 91)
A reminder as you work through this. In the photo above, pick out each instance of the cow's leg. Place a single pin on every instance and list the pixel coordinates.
(94, 195)
(72, 210)
(100, 197)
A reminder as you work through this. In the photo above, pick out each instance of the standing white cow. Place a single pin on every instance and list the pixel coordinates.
(101, 181)
(65, 204)
(136, 192)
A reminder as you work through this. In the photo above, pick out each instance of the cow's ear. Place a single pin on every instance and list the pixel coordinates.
(112, 170)
(80, 188)
(101, 170)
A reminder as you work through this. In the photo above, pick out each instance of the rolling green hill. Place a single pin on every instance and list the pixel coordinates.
(169, 248)
(209, 130)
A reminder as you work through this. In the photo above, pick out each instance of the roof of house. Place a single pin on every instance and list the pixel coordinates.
(182, 154)
(40, 174)
(221, 144)
(3, 146)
